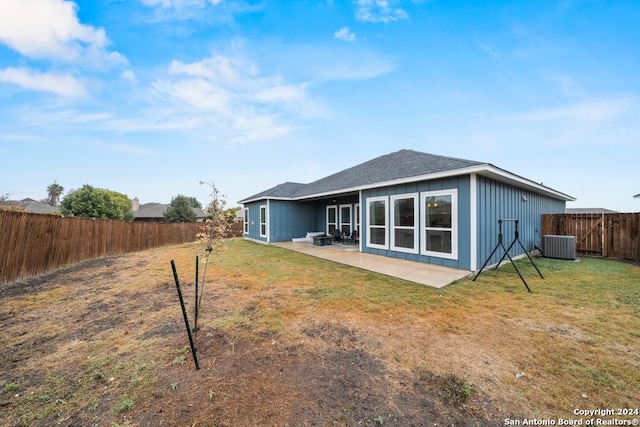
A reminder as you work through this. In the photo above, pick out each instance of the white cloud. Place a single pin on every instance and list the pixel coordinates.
(230, 95)
(197, 93)
(379, 11)
(127, 148)
(129, 76)
(344, 34)
(179, 4)
(592, 111)
(50, 29)
(60, 84)
(215, 68)
(600, 122)
(223, 84)
(21, 137)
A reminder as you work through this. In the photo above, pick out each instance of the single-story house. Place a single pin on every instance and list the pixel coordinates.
(33, 206)
(597, 211)
(154, 212)
(412, 205)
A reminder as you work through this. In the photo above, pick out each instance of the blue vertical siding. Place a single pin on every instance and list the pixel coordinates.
(290, 219)
(286, 220)
(254, 220)
(494, 200)
(497, 200)
(462, 184)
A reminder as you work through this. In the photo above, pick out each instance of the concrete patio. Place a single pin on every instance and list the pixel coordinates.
(425, 274)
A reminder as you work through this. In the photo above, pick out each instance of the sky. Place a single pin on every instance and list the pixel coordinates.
(151, 97)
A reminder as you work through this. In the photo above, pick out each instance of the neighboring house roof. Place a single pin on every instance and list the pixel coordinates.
(33, 206)
(150, 210)
(156, 210)
(395, 168)
(588, 211)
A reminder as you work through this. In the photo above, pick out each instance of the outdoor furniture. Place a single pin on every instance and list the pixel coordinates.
(337, 235)
(309, 237)
(322, 240)
(351, 238)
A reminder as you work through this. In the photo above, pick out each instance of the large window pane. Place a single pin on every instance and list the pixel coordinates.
(403, 212)
(377, 213)
(404, 238)
(377, 236)
(331, 212)
(263, 221)
(439, 216)
(438, 211)
(439, 241)
(345, 214)
(332, 219)
(377, 222)
(404, 222)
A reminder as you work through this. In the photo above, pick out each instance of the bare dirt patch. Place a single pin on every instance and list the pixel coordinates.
(103, 343)
(93, 345)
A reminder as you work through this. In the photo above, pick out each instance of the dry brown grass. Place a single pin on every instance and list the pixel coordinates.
(287, 339)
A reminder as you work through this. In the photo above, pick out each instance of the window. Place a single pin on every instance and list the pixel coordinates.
(357, 217)
(246, 220)
(332, 219)
(345, 219)
(404, 223)
(377, 222)
(263, 221)
(440, 224)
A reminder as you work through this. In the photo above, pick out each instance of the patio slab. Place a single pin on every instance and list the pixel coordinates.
(425, 274)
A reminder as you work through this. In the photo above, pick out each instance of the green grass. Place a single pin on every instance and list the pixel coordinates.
(574, 334)
(577, 334)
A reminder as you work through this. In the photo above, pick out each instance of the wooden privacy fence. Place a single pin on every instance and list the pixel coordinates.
(610, 235)
(32, 244)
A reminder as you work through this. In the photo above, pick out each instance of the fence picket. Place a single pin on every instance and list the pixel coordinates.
(610, 235)
(32, 244)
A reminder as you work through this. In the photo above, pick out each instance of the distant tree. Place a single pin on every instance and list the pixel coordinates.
(93, 202)
(230, 214)
(181, 209)
(53, 193)
(6, 205)
(194, 202)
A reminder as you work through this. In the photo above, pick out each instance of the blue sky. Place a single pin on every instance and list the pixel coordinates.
(149, 97)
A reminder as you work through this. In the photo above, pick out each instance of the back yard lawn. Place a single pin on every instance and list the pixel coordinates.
(290, 340)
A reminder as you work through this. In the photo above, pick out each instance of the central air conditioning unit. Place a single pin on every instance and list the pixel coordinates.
(560, 247)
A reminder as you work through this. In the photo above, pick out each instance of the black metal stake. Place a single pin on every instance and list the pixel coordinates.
(184, 314)
(195, 321)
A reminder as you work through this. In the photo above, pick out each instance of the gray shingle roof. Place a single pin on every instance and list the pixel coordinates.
(588, 211)
(399, 165)
(33, 206)
(156, 210)
(285, 190)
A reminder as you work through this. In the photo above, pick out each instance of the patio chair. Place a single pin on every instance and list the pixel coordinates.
(337, 235)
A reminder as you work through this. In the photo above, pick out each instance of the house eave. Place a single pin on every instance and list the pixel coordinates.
(486, 170)
(257, 199)
(502, 175)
